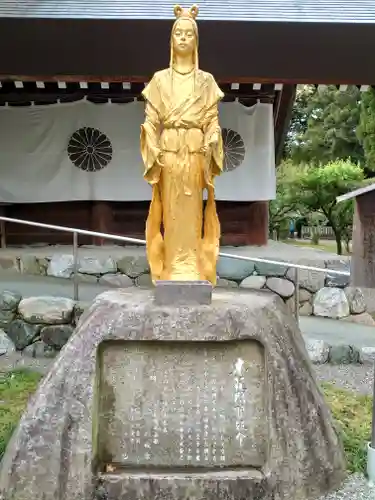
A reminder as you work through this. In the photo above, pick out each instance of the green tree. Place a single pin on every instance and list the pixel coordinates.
(299, 118)
(366, 129)
(315, 188)
(323, 126)
(283, 207)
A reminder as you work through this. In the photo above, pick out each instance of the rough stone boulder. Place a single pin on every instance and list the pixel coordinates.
(265, 269)
(337, 280)
(46, 310)
(253, 282)
(6, 317)
(356, 299)
(40, 349)
(331, 303)
(56, 335)
(29, 264)
(6, 345)
(133, 266)
(8, 306)
(306, 309)
(117, 280)
(232, 269)
(96, 265)
(318, 351)
(22, 333)
(72, 435)
(61, 266)
(310, 280)
(9, 300)
(282, 287)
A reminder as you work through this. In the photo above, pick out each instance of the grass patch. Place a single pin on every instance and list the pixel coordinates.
(15, 390)
(352, 413)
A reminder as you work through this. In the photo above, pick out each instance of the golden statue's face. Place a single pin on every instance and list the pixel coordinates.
(184, 38)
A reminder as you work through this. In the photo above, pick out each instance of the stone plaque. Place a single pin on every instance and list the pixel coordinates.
(182, 293)
(181, 404)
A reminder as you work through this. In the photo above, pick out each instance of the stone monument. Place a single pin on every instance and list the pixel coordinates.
(203, 402)
(178, 393)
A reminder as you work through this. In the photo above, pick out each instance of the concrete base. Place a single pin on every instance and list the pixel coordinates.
(371, 463)
(218, 485)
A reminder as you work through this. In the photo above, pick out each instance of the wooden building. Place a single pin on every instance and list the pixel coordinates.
(363, 239)
(61, 51)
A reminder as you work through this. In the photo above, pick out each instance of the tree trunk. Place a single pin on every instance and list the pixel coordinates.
(338, 240)
(347, 245)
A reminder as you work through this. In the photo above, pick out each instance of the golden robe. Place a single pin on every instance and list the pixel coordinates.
(182, 151)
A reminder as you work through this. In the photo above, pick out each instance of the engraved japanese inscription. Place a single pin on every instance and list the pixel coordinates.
(177, 404)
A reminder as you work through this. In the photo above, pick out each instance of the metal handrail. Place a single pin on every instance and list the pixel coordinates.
(127, 239)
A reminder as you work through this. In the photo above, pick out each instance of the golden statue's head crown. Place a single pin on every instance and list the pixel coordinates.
(191, 13)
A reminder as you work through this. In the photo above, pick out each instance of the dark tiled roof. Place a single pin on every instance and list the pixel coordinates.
(346, 11)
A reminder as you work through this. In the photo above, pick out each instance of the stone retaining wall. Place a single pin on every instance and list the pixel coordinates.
(37, 326)
(41, 326)
(320, 294)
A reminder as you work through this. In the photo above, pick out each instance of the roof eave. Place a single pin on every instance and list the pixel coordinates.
(355, 193)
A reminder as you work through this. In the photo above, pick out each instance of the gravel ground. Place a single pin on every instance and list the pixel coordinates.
(355, 488)
(17, 361)
(357, 378)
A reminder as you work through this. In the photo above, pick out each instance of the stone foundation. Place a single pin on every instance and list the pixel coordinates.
(319, 294)
(236, 370)
(37, 326)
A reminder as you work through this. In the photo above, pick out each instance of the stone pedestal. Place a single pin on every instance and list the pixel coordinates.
(203, 401)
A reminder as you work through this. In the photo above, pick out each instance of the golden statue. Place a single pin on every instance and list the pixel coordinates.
(182, 151)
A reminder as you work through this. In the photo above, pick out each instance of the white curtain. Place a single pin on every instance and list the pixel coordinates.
(52, 153)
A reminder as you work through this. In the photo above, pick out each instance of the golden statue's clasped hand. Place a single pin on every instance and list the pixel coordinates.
(160, 159)
(205, 150)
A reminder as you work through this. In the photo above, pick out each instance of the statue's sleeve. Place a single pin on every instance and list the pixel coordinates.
(150, 133)
(212, 131)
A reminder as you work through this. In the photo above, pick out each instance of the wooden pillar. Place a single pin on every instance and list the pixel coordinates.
(257, 224)
(101, 221)
(363, 241)
(3, 241)
(243, 223)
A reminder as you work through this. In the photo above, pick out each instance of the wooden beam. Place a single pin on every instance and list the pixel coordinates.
(145, 78)
(46, 96)
(363, 258)
(282, 115)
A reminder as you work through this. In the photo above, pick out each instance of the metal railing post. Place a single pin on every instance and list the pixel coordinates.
(296, 293)
(75, 266)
